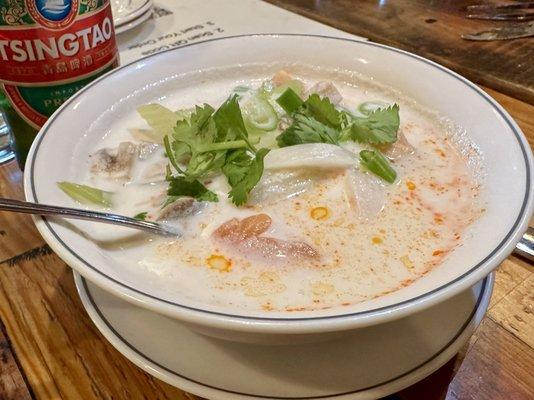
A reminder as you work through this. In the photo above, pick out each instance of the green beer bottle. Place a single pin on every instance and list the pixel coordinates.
(50, 49)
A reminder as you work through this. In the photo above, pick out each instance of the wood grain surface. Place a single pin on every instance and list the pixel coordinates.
(432, 29)
(12, 384)
(49, 348)
(17, 231)
(62, 354)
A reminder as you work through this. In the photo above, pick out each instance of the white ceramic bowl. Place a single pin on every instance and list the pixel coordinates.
(86, 117)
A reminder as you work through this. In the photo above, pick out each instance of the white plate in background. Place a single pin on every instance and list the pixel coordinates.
(134, 23)
(127, 10)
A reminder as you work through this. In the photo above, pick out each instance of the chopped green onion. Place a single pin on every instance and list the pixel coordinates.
(295, 84)
(86, 194)
(375, 162)
(289, 101)
(370, 106)
(141, 216)
(259, 114)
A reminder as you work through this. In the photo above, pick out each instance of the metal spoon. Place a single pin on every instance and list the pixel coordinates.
(525, 247)
(66, 212)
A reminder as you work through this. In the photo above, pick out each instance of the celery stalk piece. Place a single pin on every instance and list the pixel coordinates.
(86, 194)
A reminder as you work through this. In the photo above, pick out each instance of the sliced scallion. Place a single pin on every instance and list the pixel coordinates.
(295, 84)
(379, 165)
(259, 114)
(289, 101)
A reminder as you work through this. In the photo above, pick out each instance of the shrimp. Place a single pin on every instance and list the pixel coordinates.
(245, 235)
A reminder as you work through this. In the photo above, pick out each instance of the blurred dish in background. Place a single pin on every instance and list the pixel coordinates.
(130, 13)
(134, 23)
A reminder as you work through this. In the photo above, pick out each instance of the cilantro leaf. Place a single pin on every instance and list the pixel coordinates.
(179, 186)
(141, 216)
(193, 131)
(305, 129)
(206, 141)
(378, 127)
(195, 138)
(229, 121)
(202, 164)
(243, 173)
(323, 110)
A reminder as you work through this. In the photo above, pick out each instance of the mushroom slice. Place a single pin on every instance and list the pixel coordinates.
(154, 173)
(115, 164)
(326, 89)
(146, 149)
(182, 207)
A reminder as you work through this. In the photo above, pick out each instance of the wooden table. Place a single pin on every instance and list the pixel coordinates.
(49, 349)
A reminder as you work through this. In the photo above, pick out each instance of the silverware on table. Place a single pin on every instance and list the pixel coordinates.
(503, 33)
(66, 212)
(521, 11)
(525, 247)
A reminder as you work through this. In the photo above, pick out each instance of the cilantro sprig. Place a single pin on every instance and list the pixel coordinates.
(204, 142)
(306, 129)
(243, 173)
(210, 142)
(141, 216)
(378, 127)
(317, 120)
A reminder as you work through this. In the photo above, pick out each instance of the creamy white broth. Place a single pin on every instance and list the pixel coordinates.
(377, 244)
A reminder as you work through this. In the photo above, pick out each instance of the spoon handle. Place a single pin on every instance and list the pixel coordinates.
(525, 247)
(67, 212)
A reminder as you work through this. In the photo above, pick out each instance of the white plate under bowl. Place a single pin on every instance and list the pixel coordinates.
(373, 362)
(134, 23)
(62, 146)
(127, 10)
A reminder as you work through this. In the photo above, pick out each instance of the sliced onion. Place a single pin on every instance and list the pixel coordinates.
(311, 155)
(279, 185)
(365, 192)
(260, 114)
